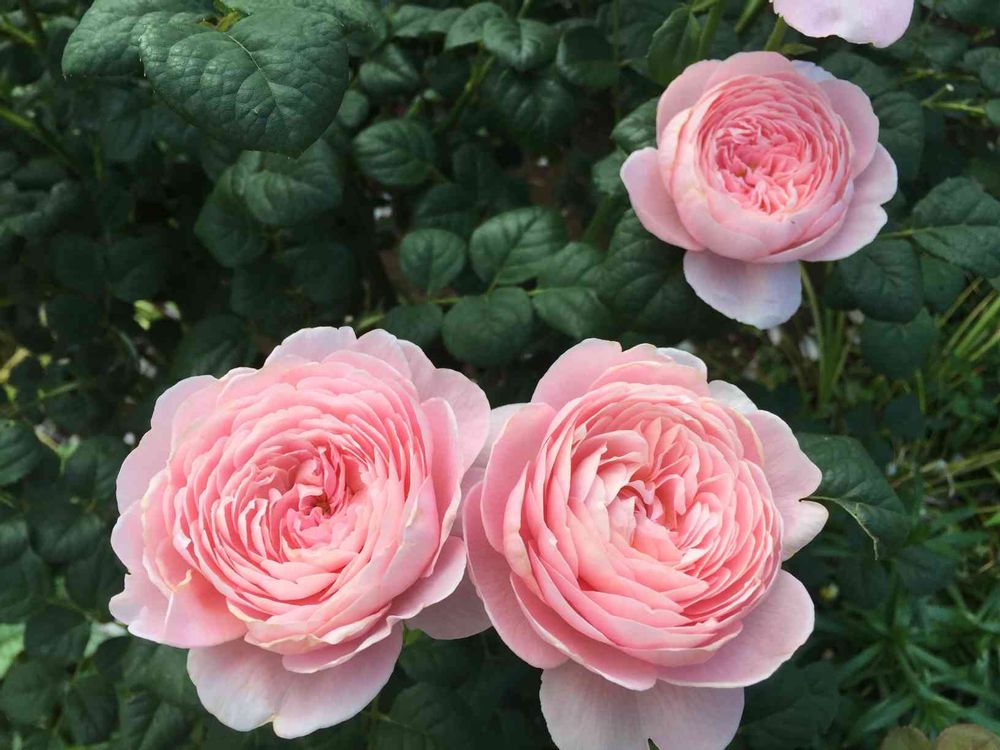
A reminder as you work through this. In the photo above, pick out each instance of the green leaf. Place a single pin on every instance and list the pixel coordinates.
(642, 282)
(420, 324)
(281, 191)
(63, 532)
(161, 670)
(468, 27)
(353, 110)
(520, 43)
(11, 645)
(239, 86)
(898, 349)
(538, 110)
(92, 580)
(585, 58)
(214, 346)
(978, 12)
(137, 267)
(859, 70)
(325, 272)
(91, 709)
(984, 62)
(431, 258)
(30, 691)
(489, 330)
(226, 227)
(884, 280)
(942, 282)
(512, 247)
(443, 663)
(57, 634)
(397, 153)
(428, 717)
(106, 41)
(674, 46)
(415, 21)
(364, 25)
(901, 130)
(148, 723)
(852, 481)
(447, 206)
(77, 263)
(567, 298)
(90, 472)
(25, 586)
(20, 450)
(389, 72)
(793, 709)
(606, 174)
(959, 222)
(904, 418)
(575, 311)
(637, 130)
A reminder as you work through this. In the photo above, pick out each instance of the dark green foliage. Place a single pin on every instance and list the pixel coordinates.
(183, 183)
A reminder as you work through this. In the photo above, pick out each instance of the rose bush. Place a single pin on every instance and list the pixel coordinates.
(760, 163)
(628, 538)
(184, 184)
(283, 523)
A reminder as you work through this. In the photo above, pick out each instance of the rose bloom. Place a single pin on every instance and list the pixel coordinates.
(628, 538)
(283, 523)
(760, 163)
(880, 22)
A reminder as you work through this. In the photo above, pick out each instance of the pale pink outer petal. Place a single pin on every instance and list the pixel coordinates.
(583, 711)
(792, 477)
(476, 472)
(460, 615)
(759, 294)
(491, 575)
(580, 366)
(518, 444)
(245, 687)
(314, 344)
(865, 216)
(749, 64)
(772, 632)
(731, 396)
(471, 407)
(651, 201)
(194, 614)
(683, 92)
(855, 109)
(812, 71)
(880, 22)
(151, 454)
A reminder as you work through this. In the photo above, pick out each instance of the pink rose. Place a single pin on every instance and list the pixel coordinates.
(283, 523)
(880, 22)
(760, 163)
(628, 538)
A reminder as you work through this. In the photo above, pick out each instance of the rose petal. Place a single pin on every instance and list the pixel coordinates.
(865, 216)
(652, 202)
(460, 615)
(491, 576)
(245, 687)
(771, 633)
(792, 477)
(880, 22)
(762, 295)
(586, 712)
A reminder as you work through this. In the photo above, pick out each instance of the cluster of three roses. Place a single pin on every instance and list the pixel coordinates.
(624, 531)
